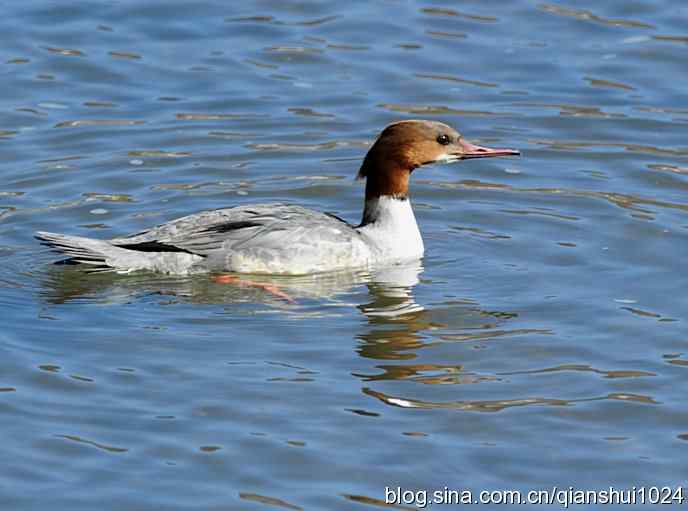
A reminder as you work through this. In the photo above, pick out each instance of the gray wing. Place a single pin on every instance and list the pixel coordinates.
(230, 229)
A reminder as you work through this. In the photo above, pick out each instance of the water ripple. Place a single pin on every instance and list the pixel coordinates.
(585, 15)
(501, 404)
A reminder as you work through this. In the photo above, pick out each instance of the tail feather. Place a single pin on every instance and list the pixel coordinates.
(80, 249)
(102, 255)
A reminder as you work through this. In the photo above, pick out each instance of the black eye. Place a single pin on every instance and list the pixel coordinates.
(443, 139)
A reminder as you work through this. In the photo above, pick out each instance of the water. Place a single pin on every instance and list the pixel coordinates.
(542, 342)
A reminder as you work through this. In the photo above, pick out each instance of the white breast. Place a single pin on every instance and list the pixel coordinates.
(391, 230)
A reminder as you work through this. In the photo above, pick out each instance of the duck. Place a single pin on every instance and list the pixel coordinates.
(286, 239)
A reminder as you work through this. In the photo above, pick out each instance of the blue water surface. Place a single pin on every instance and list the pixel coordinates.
(540, 343)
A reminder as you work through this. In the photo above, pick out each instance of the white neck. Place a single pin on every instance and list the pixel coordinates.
(390, 228)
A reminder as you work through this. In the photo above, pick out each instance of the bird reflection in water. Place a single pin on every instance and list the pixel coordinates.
(391, 288)
(397, 327)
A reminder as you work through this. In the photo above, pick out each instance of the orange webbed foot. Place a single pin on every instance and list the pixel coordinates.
(238, 281)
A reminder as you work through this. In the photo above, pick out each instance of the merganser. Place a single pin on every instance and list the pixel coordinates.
(287, 239)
